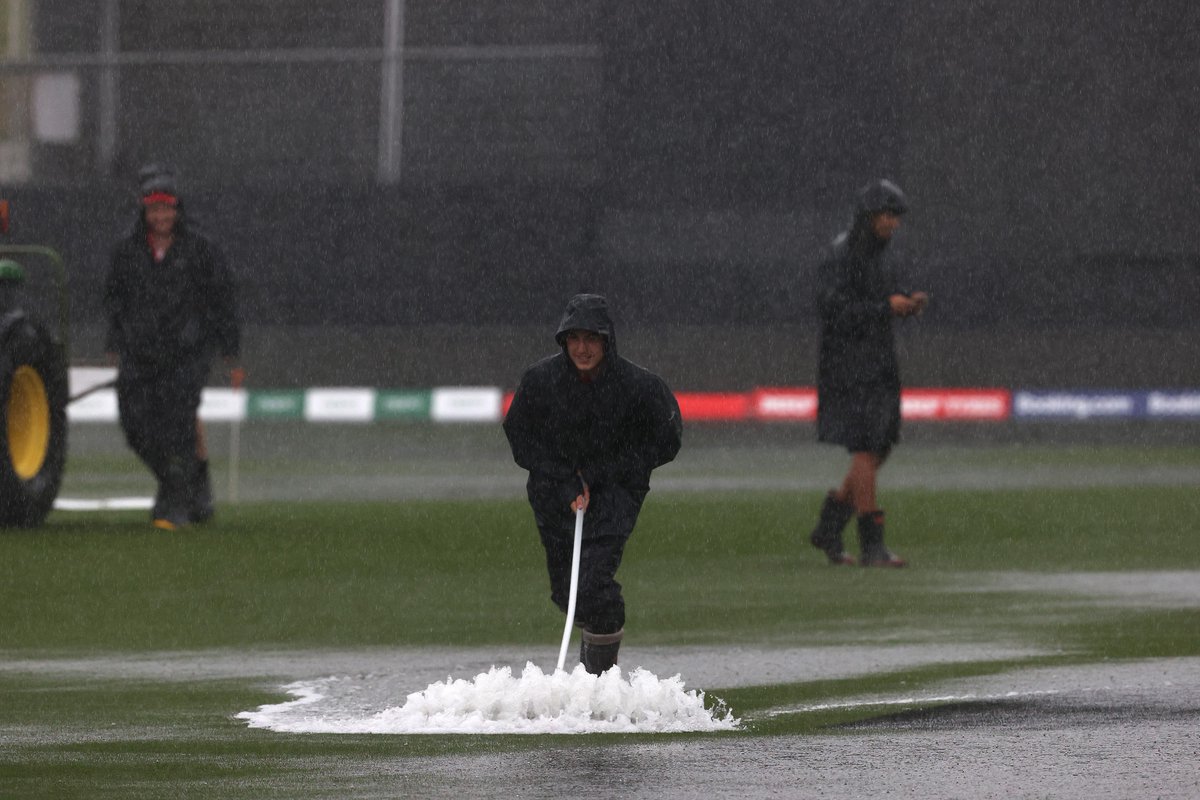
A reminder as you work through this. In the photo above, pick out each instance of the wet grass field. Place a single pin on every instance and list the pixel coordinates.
(1045, 641)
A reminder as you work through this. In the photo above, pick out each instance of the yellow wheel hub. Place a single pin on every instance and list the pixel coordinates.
(28, 422)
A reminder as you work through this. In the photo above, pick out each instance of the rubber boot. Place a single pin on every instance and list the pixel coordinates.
(159, 509)
(200, 508)
(171, 504)
(827, 536)
(870, 538)
(598, 651)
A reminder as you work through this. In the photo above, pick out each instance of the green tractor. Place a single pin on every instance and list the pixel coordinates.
(33, 393)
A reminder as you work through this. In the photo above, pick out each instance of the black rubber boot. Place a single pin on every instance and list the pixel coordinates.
(870, 538)
(200, 507)
(827, 536)
(171, 504)
(598, 651)
(159, 510)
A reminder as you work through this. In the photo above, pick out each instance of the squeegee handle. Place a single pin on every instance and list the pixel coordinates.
(566, 639)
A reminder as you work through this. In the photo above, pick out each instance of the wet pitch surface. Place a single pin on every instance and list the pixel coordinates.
(302, 461)
(1133, 739)
(1099, 731)
(1121, 730)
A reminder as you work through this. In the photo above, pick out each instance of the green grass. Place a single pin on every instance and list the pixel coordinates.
(710, 569)
(698, 569)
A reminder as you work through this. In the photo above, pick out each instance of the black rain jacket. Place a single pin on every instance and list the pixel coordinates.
(614, 430)
(178, 311)
(854, 282)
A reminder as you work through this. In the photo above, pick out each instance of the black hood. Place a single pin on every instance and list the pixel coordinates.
(874, 198)
(587, 312)
(880, 196)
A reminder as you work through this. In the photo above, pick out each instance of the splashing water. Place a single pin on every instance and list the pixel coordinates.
(497, 702)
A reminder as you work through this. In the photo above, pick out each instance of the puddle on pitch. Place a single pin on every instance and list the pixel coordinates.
(1096, 731)
(408, 698)
(1129, 589)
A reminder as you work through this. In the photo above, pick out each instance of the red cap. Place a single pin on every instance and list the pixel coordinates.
(160, 197)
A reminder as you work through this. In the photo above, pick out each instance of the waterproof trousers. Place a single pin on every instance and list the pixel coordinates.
(608, 524)
(158, 416)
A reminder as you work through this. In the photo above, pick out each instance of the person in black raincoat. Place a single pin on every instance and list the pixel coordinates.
(590, 426)
(858, 383)
(169, 299)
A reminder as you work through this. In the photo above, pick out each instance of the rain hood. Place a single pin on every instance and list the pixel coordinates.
(587, 312)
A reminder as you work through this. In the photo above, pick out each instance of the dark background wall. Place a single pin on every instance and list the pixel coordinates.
(689, 159)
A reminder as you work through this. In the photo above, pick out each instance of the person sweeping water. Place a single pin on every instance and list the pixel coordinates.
(590, 426)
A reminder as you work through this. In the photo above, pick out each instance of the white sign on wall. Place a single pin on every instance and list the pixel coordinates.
(56, 107)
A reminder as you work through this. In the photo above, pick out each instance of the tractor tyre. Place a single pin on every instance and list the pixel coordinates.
(33, 422)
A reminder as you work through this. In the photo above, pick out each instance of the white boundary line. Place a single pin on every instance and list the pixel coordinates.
(103, 503)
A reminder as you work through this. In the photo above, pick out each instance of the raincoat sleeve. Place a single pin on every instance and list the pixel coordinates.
(525, 426)
(665, 428)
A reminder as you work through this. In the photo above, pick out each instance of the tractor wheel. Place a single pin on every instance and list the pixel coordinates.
(33, 423)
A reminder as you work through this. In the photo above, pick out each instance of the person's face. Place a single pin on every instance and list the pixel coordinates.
(586, 350)
(160, 218)
(884, 225)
